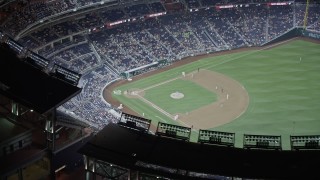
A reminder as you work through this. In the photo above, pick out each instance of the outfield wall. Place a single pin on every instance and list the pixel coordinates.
(295, 32)
(311, 34)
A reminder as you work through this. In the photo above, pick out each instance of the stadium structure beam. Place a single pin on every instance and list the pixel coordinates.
(50, 139)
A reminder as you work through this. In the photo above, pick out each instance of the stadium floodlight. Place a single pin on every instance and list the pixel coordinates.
(66, 74)
(134, 122)
(262, 142)
(173, 131)
(305, 142)
(216, 137)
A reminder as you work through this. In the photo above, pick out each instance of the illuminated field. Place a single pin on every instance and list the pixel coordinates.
(282, 83)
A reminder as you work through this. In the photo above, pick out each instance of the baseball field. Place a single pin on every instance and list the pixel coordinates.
(263, 91)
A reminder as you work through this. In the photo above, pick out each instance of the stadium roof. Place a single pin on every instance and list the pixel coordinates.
(30, 86)
(122, 146)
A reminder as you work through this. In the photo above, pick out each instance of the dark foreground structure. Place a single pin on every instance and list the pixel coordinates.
(30, 86)
(30, 135)
(127, 152)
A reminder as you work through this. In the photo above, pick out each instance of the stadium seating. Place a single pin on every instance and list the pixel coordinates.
(86, 45)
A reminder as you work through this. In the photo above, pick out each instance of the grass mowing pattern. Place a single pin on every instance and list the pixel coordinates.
(195, 96)
(284, 92)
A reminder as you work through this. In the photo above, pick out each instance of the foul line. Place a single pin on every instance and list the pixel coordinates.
(159, 84)
(173, 79)
(156, 107)
(160, 110)
(161, 118)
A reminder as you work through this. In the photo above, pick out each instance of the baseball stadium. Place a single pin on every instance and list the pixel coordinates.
(167, 89)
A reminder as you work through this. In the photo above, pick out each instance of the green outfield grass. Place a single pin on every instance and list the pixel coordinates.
(284, 91)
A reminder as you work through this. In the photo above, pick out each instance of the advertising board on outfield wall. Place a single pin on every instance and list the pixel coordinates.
(311, 34)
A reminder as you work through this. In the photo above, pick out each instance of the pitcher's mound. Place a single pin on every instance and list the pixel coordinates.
(177, 95)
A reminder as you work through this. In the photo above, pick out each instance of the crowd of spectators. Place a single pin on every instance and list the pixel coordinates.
(313, 17)
(80, 63)
(18, 15)
(101, 55)
(280, 20)
(248, 22)
(89, 105)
